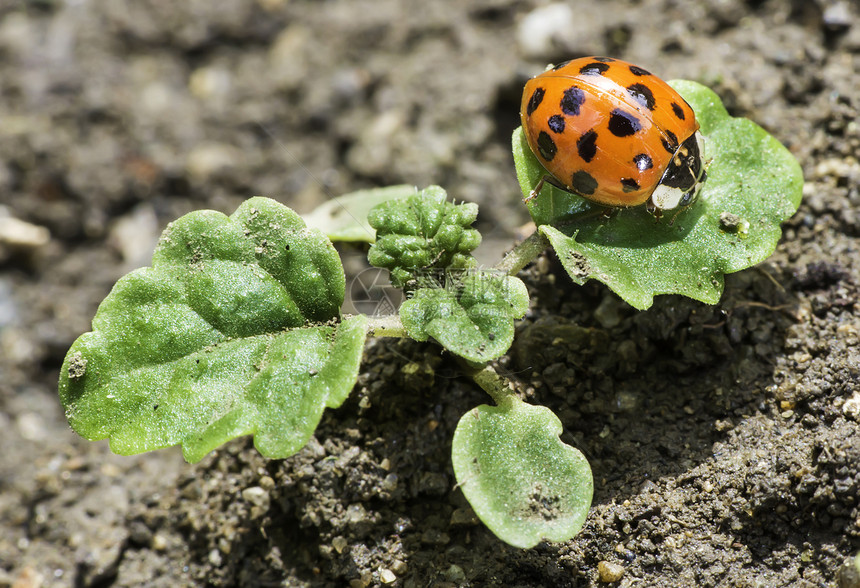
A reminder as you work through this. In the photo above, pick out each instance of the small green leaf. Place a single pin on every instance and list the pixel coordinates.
(233, 331)
(472, 314)
(345, 218)
(422, 233)
(753, 184)
(521, 480)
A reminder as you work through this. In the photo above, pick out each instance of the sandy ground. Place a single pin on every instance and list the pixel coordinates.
(724, 440)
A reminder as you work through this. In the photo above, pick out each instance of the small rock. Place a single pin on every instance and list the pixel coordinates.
(339, 544)
(837, 17)
(851, 408)
(28, 578)
(139, 534)
(849, 573)
(729, 221)
(363, 581)
(31, 426)
(732, 223)
(399, 567)
(159, 542)
(543, 28)
(210, 82)
(355, 514)
(19, 237)
(607, 313)
(455, 574)
(208, 159)
(386, 576)
(610, 572)
(464, 517)
(256, 496)
(215, 558)
(135, 235)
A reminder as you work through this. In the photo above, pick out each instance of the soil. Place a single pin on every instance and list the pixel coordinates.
(724, 440)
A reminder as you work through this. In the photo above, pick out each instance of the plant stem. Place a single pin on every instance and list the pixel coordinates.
(489, 380)
(523, 253)
(385, 326)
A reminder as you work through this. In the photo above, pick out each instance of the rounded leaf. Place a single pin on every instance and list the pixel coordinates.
(521, 480)
(234, 330)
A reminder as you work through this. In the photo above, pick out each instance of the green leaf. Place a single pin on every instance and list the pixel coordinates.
(234, 330)
(472, 314)
(521, 480)
(422, 233)
(753, 184)
(345, 218)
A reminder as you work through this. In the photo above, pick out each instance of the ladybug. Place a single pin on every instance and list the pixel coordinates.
(613, 133)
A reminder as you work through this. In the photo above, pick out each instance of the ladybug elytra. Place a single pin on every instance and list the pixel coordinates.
(613, 133)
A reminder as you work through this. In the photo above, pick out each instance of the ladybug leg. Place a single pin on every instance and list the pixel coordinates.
(653, 209)
(608, 212)
(536, 190)
(539, 186)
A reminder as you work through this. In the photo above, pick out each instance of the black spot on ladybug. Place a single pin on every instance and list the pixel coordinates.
(594, 69)
(571, 101)
(679, 112)
(643, 161)
(603, 59)
(546, 146)
(560, 65)
(556, 123)
(623, 124)
(638, 71)
(583, 183)
(642, 94)
(586, 145)
(670, 142)
(535, 100)
(629, 184)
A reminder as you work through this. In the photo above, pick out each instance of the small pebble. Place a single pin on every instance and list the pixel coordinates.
(339, 544)
(540, 29)
(455, 574)
(851, 408)
(729, 221)
(837, 16)
(207, 159)
(18, 233)
(159, 542)
(256, 496)
(610, 572)
(215, 558)
(386, 576)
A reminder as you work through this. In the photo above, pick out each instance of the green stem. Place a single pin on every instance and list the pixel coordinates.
(489, 380)
(385, 326)
(523, 253)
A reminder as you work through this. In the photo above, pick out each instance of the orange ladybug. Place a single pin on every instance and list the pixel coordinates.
(613, 133)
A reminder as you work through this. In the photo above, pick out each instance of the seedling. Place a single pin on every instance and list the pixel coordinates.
(236, 328)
